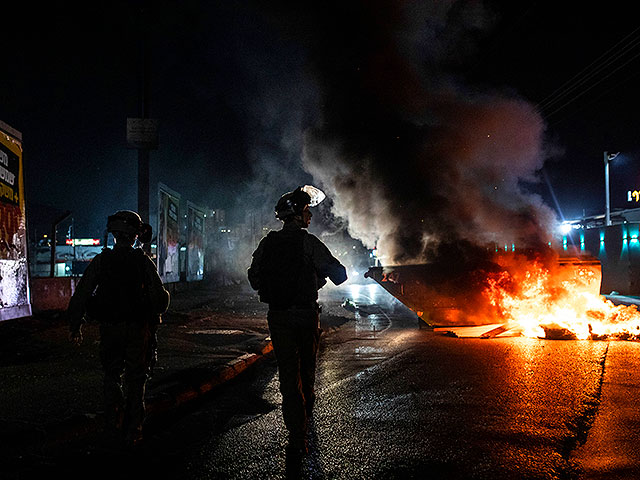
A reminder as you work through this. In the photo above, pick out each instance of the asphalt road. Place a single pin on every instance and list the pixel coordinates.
(399, 401)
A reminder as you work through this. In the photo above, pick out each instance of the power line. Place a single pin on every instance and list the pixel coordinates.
(592, 70)
(613, 87)
(602, 79)
(556, 93)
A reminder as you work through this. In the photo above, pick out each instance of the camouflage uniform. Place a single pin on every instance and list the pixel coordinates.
(121, 289)
(288, 268)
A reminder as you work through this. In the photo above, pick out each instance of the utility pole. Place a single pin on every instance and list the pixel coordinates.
(142, 132)
(143, 150)
(608, 157)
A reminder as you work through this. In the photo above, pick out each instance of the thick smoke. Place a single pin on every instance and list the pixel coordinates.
(411, 156)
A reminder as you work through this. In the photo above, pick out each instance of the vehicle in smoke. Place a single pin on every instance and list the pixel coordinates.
(481, 291)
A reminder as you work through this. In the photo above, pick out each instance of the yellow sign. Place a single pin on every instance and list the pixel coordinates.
(14, 278)
(12, 207)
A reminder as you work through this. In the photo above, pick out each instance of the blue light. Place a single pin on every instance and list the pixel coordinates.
(624, 252)
(633, 235)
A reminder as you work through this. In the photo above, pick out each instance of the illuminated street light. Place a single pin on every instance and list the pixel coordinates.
(608, 157)
(565, 228)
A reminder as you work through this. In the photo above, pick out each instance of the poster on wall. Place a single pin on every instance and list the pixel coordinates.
(195, 242)
(14, 278)
(168, 239)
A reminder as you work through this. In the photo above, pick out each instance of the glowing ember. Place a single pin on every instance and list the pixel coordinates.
(551, 299)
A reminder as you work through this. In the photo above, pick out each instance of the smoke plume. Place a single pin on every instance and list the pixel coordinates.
(411, 155)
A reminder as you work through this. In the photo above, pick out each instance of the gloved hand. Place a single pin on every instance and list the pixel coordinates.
(75, 335)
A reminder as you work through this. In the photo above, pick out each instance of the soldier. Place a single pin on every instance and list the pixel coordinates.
(288, 268)
(121, 289)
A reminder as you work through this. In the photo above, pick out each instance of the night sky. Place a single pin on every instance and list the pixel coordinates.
(244, 92)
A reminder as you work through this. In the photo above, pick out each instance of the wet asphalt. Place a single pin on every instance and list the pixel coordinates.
(394, 398)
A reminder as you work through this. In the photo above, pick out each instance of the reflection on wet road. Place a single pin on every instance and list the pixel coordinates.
(458, 408)
(399, 401)
(374, 312)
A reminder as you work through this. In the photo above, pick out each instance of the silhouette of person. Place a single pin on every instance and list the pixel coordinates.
(121, 289)
(288, 268)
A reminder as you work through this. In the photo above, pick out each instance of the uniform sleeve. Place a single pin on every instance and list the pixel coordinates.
(159, 295)
(325, 263)
(84, 289)
(151, 273)
(253, 273)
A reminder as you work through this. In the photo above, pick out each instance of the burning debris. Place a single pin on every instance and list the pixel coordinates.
(559, 300)
(533, 295)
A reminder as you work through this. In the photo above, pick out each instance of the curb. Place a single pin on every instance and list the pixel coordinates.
(163, 402)
(179, 395)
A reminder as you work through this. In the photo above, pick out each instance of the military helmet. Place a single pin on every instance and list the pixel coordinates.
(124, 221)
(293, 203)
(129, 222)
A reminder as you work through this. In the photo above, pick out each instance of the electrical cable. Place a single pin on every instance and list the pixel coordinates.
(587, 73)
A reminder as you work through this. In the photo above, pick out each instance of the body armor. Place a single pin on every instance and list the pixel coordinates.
(288, 278)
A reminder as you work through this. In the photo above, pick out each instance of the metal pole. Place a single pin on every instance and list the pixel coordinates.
(143, 184)
(144, 92)
(143, 152)
(607, 211)
(54, 234)
(73, 239)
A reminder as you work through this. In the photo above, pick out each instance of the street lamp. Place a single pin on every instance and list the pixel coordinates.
(608, 157)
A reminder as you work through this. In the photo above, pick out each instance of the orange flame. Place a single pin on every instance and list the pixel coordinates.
(548, 299)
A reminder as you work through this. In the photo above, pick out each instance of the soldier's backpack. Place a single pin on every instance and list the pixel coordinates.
(122, 293)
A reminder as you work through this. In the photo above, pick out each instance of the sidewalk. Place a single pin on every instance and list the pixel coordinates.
(52, 390)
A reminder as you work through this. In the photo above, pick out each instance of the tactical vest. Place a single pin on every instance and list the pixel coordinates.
(287, 276)
(122, 291)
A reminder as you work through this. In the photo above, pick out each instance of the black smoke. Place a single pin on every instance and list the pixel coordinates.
(411, 155)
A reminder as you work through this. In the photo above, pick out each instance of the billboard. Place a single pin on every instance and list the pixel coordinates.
(195, 242)
(14, 278)
(168, 238)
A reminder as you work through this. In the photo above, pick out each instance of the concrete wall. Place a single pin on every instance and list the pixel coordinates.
(51, 293)
(54, 293)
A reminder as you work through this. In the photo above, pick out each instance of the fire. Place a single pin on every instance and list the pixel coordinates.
(552, 298)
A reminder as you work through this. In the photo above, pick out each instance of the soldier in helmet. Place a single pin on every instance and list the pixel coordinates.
(288, 268)
(121, 289)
